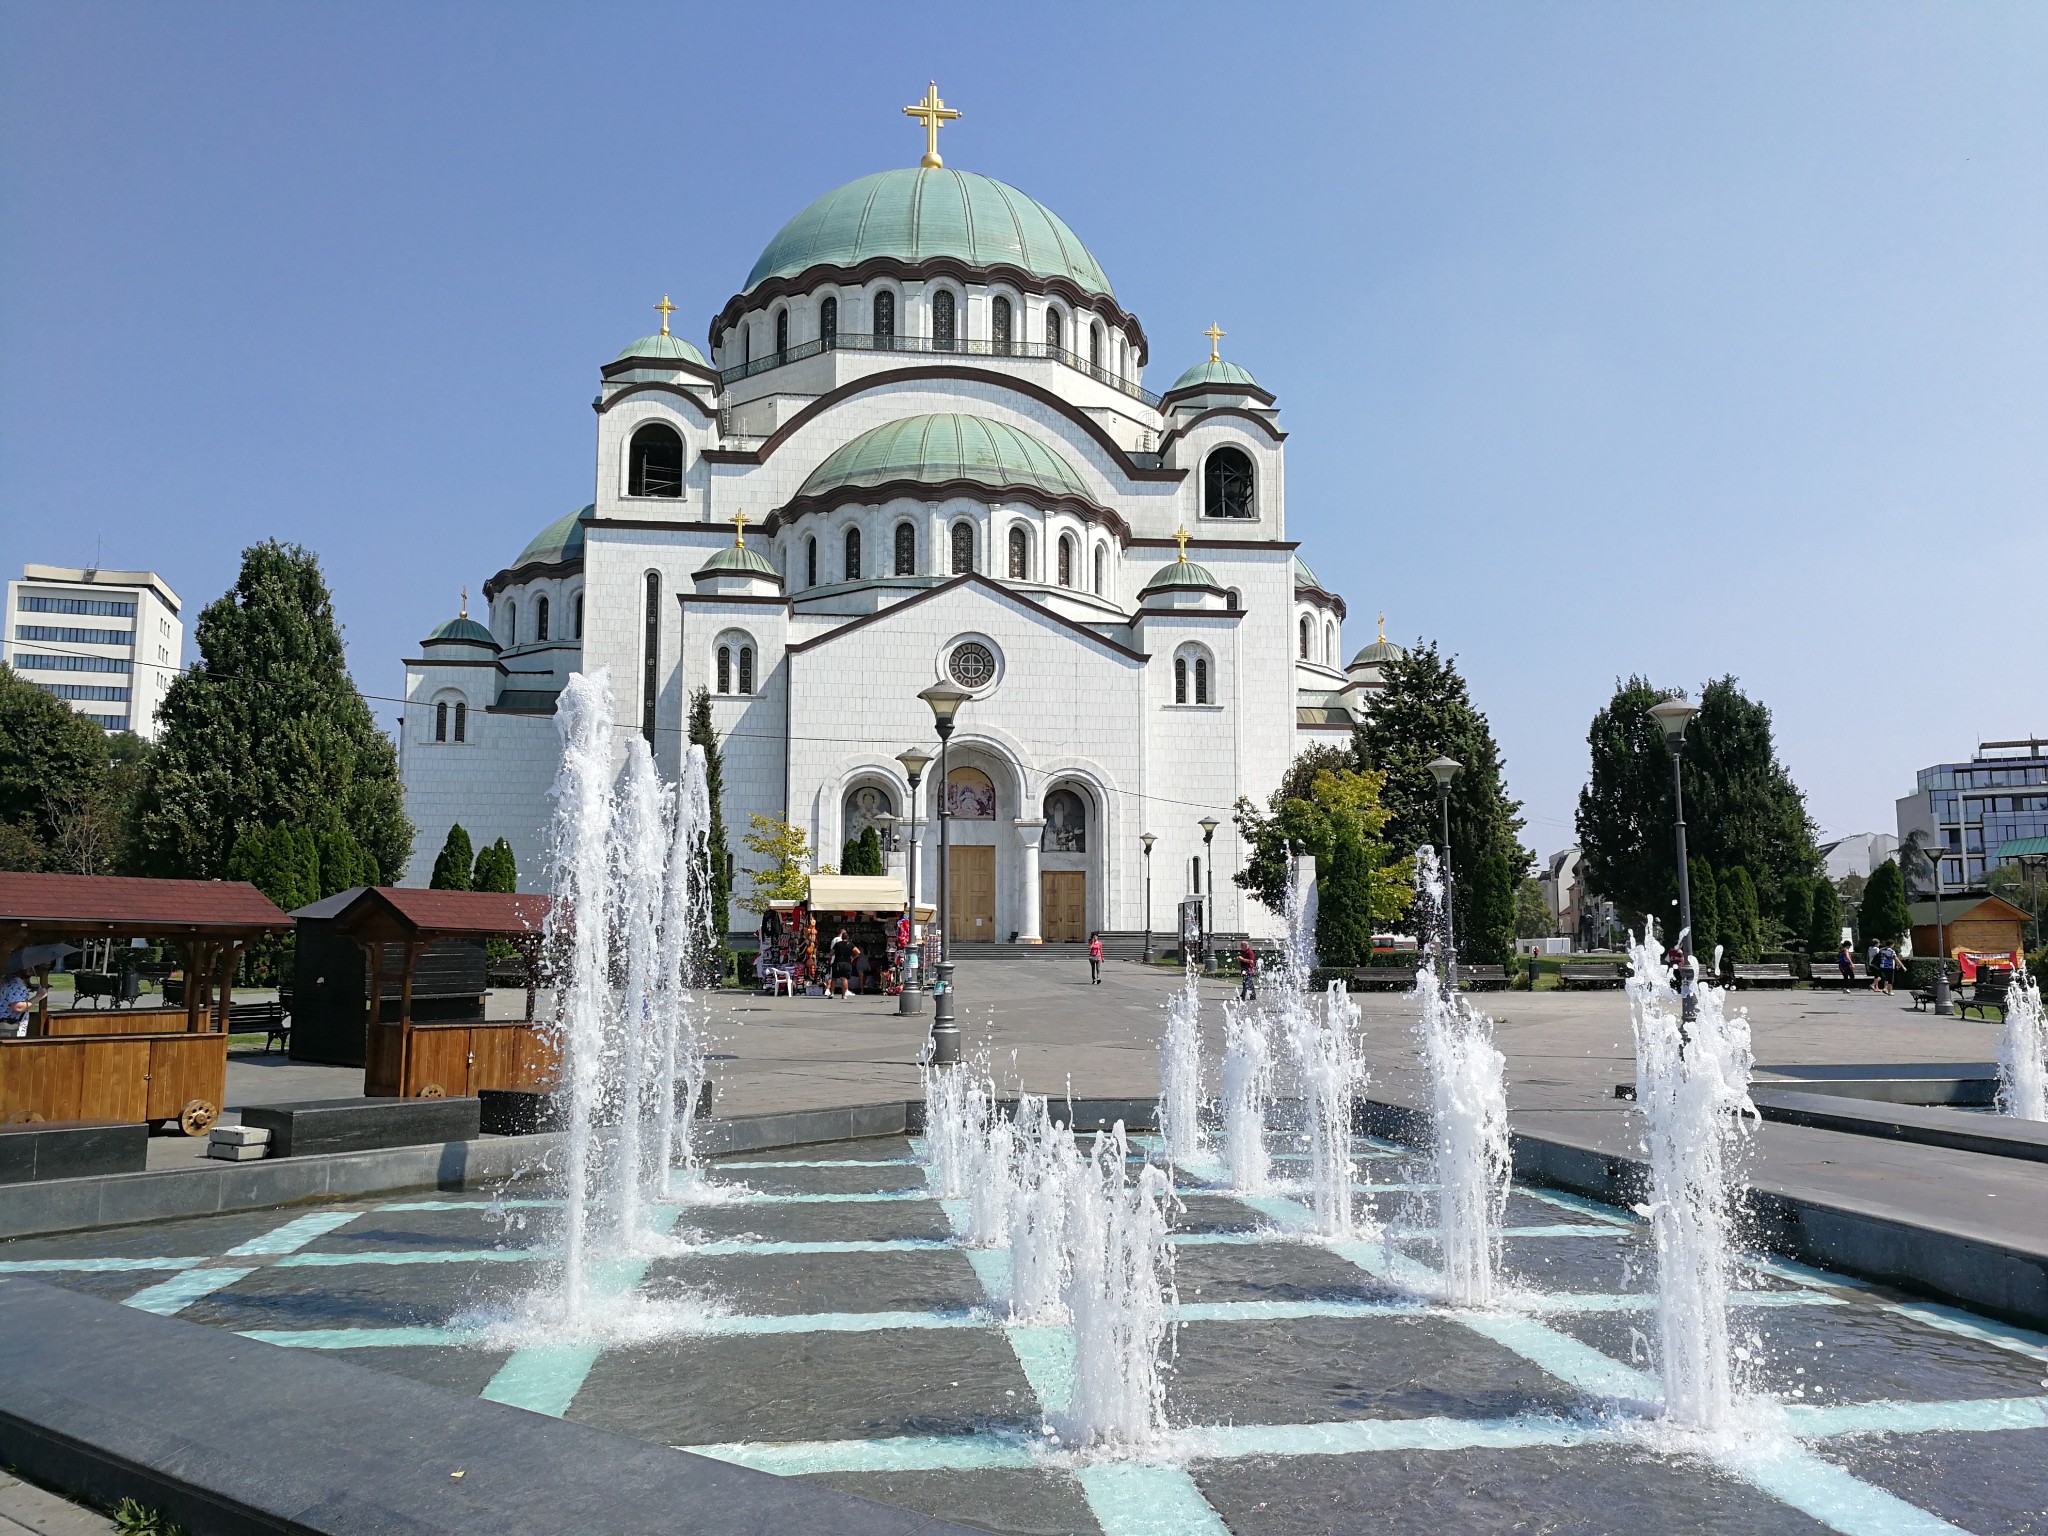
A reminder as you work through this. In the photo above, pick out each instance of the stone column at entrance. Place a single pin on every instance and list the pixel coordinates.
(1029, 834)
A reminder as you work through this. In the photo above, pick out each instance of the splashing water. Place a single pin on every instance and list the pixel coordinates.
(1119, 1294)
(1046, 1162)
(1322, 1057)
(1469, 1144)
(685, 938)
(2023, 1052)
(1692, 1085)
(638, 841)
(1180, 1072)
(992, 1173)
(949, 1132)
(1247, 1091)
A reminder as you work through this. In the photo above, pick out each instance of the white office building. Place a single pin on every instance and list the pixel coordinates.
(108, 643)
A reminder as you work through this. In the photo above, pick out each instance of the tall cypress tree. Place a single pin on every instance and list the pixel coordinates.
(452, 865)
(1884, 913)
(1706, 910)
(1426, 712)
(705, 735)
(496, 869)
(1741, 922)
(268, 730)
(1824, 927)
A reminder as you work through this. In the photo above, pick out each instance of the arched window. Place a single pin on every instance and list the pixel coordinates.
(963, 548)
(1180, 679)
(1227, 484)
(853, 554)
(1066, 823)
(654, 463)
(1192, 671)
(1095, 346)
(810, 562)
(1020, 555)
(540, 619)
(1123, 357)
(511, 623)
(579, 615)
(828, 323)
(999, 325)
(1235, 599)
(1052, 328)
(441, 721)
(1066, 559)
(1330, 641)
(1302, 630)
(725, 669)
(461, 720)
(746, 669)
(970, 795)
(1101, 570)
(650, 667)
(906, 549)
(885, 321)
(945, 320)
(746, 344)
(1202, 680)
(781, 335)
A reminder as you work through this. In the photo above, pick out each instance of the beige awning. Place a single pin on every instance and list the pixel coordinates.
(856, 893)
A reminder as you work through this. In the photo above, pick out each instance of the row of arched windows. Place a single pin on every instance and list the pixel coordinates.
(945, 331)
(1191, 677)
(1305, 631)
(543, 620)
(727, 655)
(444, 712)
(960, 551)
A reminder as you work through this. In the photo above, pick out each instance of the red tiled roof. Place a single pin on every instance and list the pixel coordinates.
(451, 912)
(113, 900)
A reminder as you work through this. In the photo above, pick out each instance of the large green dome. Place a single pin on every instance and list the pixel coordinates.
(936, 450)
(918, 214)
(561, 540)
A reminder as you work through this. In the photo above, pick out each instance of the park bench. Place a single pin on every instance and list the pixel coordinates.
(1990, 992)
(1589, 976)
(1383, 978)
(1747, 976)
(118, 987)
(1483, 978)
(273, 1019)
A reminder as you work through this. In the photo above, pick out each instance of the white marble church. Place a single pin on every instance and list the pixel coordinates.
(921, 449)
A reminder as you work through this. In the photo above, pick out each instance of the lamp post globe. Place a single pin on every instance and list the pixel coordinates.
(1673, 715)
(1444, 770)
(945, 700)
(1209, 824)
(1147, 839)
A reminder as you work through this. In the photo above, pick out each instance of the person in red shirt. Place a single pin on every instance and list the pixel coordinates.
(1095, 960)
(1248, 963)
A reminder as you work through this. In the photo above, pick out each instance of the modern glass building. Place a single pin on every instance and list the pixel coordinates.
(1969, 810)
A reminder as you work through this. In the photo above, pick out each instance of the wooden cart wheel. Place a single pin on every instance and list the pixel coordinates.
(433, 1091)
(197, 1118)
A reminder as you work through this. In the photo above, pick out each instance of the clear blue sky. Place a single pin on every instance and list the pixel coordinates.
(1674, 339)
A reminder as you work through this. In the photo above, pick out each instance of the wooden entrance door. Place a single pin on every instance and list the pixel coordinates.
(1063, 906)
(973, 915)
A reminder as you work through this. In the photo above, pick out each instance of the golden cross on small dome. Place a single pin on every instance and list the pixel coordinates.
(739, 529)
(666, 309)
(1180, 537)
(1215, 333)
(465, 604)
(931, 112)
(1383, 624)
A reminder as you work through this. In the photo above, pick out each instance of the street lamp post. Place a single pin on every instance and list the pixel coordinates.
(1443, 770)
(945, 700)
(914, 763)
(1673, 716)
(1941, 999)
(1209, 824)
(1148, 839)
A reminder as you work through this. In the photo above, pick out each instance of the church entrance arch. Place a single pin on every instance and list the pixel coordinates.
(1066, 849)
(971, 800)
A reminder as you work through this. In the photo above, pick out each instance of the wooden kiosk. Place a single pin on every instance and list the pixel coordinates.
(408, 1058)
(137, 1064)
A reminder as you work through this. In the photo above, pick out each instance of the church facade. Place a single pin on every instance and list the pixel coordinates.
(920, 449)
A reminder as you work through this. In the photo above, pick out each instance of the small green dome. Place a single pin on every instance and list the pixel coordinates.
(917, 214)
(1216, 374)
(463, 631)
(1303, 576)
(560, 541)
(1378, 653)
(933, 450)
(738, 560)
(1183, 573)
(668, 347)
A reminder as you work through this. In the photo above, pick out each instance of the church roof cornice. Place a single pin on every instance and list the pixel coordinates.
(604, 403)
(1118, 455)
(1181, 429)
(533, 570)
(971, 579)
(767, 292)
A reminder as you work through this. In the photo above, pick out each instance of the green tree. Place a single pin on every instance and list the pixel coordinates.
(704, 734)
(787, 850)
(454, 862)
(1824, 923)
(53, 773)
(1426, 712)
(496, 869)
(1336, 807)
(1883, 914)
(1533, 917)
(281, 862)
(343, 864)
(1344, 897)
(268, 730)
(1797, 916)
(1741, 922)
(1742, 810)
(1706, 909)
(862, 855)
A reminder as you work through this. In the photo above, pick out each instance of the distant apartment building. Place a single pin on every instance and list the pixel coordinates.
(108, 643)
(1973, 810)
(1857, 854)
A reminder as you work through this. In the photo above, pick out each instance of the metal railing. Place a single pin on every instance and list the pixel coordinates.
(861, 341)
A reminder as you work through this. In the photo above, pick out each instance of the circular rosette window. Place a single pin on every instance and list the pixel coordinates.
(972, 665)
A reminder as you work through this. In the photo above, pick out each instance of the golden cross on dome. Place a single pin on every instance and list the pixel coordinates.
(739, 528)
(1215, 333)
(1180, 537)
(931, 112)
(465, 604)
(1383, 624)
(666, 309)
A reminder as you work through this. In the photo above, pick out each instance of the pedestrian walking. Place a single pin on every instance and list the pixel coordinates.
(1887, 966)
(842, 965)
(1248, 972)
(1095, 960)
(1846, 962)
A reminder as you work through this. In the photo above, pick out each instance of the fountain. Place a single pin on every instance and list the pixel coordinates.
(1469, 1146)
(1247, 1093)
(2023, 1052)
(638, 840)
(685, 937)
(1180, 1072)
(1692, 1085)
(1045, 1163)
(1323, 1060)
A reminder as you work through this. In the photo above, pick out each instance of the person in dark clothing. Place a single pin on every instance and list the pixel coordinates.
(1847, 964)
(1248, 967)
(842, 966)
